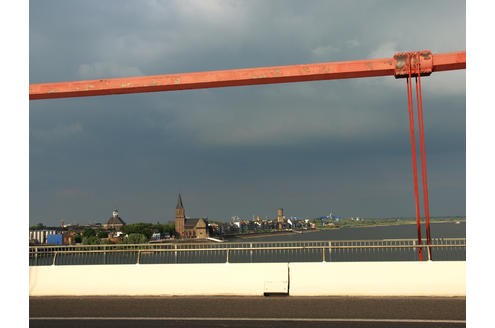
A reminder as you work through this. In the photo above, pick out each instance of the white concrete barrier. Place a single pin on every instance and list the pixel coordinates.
(297, 279)
(158, 279)
(378, 279)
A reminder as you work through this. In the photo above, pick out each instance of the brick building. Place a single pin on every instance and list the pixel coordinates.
(189, 228)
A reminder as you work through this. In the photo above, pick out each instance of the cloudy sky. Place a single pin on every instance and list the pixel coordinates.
(311, 148)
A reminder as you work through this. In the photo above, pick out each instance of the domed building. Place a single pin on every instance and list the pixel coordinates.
(115, 221)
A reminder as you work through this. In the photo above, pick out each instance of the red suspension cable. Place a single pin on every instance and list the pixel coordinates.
(414, 162)
(424, 177)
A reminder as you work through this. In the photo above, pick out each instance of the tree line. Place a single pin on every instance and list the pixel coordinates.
(134, 233)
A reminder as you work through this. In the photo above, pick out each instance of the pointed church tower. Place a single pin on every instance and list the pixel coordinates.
(180, 217)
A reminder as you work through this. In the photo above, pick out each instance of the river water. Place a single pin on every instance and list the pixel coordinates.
(407, 231)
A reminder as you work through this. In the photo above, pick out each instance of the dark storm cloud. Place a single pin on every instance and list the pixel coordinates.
(307, 147)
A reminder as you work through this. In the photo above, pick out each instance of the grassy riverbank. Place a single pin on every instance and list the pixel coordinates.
(350, 223)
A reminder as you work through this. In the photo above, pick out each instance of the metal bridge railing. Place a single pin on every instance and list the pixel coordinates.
(443, 249)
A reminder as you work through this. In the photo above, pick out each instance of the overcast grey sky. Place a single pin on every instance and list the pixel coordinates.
(310, 148)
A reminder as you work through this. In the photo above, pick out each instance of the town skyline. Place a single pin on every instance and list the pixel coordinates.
(171, 219)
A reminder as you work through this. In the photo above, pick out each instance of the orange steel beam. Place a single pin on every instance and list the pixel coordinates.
(240, 77)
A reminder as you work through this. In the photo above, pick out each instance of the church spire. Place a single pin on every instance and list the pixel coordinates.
(179, 203)
(180, 217)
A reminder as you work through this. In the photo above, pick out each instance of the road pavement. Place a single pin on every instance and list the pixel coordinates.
(271, 311)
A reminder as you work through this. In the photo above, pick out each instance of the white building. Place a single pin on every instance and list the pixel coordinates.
(40, 236)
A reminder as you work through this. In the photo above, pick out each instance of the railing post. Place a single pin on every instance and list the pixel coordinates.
(329, 251)
(139, 255)
(227, 259)
(36, 256)
(54, 257)
(323, 251)
(251, 253)
(175, 253)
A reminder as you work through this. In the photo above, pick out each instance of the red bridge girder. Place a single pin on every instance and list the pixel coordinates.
(248, 76)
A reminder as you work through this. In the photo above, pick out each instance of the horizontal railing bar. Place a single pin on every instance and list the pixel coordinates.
(230, 244)
(248, 249)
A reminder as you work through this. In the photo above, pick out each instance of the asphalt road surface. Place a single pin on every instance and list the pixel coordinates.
(269, 311)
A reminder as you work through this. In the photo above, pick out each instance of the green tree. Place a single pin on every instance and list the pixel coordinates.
(156, 228)
(92, 240)
(142, 228)
(38, 226)
(170, 228)
(102, 234)
(78, 238)
(88, 232)
(135, 238)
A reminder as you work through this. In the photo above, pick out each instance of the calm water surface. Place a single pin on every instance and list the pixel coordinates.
(438, 230)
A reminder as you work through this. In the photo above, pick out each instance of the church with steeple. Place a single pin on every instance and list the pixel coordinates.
(189, 228)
